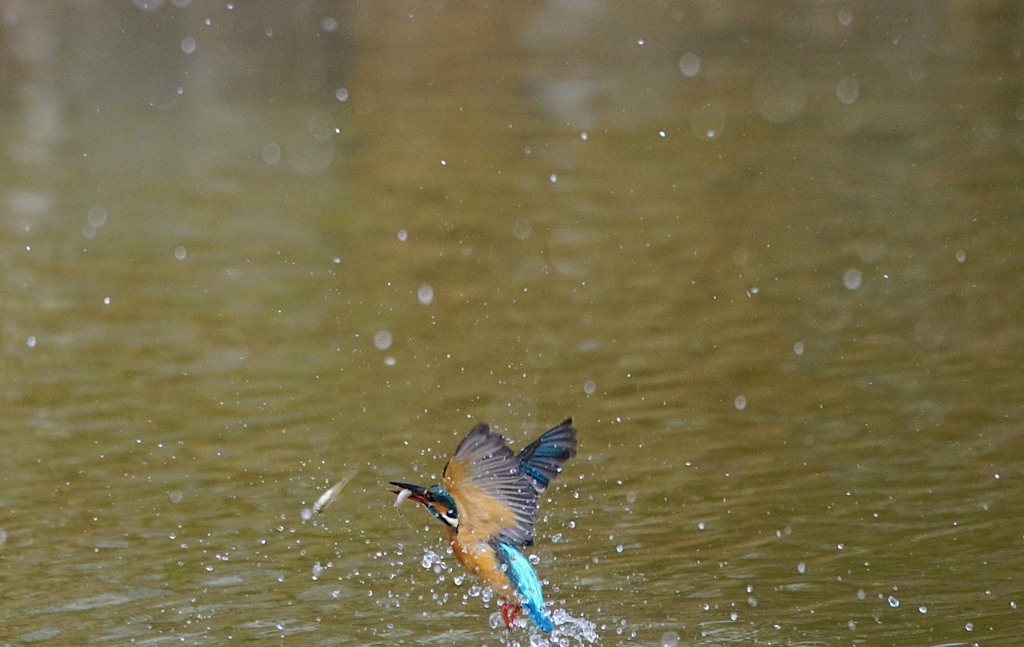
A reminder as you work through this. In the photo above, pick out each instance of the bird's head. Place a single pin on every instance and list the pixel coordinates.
(435, 498)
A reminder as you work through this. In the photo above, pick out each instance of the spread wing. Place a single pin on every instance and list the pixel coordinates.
(542, 459)
(494, 498)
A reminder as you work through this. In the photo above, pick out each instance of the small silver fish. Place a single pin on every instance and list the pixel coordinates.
(328, 497)
(403, 494)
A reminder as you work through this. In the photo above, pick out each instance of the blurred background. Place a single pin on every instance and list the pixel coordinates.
(769, 255)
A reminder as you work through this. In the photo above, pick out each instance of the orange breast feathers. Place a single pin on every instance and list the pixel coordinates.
(481, 516)
(478, 557)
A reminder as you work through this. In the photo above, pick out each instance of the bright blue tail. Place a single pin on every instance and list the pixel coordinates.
(524, 579)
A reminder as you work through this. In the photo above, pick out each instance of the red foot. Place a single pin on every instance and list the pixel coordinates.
(509, 613)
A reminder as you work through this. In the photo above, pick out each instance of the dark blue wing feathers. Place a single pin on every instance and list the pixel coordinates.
(542, 459)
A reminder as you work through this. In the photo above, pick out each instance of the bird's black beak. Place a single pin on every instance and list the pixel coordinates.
(417, 493)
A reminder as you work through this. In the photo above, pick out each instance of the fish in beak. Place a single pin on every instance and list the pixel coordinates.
(416, 493)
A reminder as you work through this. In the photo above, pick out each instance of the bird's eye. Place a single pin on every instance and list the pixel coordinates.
(451, 517)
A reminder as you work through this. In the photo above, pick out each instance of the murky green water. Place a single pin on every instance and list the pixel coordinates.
(767, 256)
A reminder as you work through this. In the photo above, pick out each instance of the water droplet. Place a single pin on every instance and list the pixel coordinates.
(619, 548)
(852, 279)
(670, 639)
(271, 153)
(97, 216)
(31, 341)
(589, 387)
(847, 89)
(707, 120)
(915, 71)
(583, 135)
(403, 235)
(845, 17)
(893, 602)
(188, 44)
(329, 24)
(990, 128)
(382, 339)
(630, 497)
(961, 255)
(922, 609)
(553, 177)
(798, 348)
(969, 626)
(801, 568)
(861, 594)
(521, 228)
(740, 402)
(689, 64)
(700, 525)
(780, 94)
(106, 301)
(425, 294)
(341, 94)
(148, 5)
(176, 496)
(180, 253)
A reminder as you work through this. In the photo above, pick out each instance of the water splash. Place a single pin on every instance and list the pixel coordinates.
(569, 631)
(434, 561)
(568, 626)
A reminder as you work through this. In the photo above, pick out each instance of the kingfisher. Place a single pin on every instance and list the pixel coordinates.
(487, 500)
